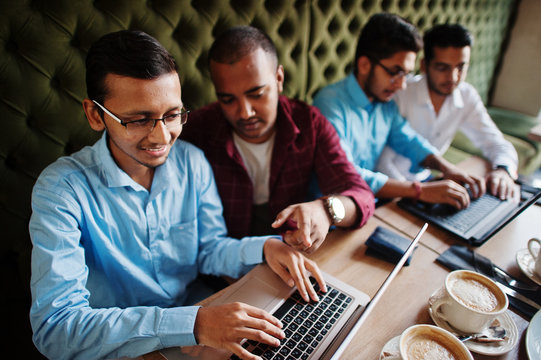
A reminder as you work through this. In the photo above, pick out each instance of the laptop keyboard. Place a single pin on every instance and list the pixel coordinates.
(464, 219)
(305, 325)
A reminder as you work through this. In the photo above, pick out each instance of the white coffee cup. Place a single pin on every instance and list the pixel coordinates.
(431, 342)
(536, 254)
(470, 302)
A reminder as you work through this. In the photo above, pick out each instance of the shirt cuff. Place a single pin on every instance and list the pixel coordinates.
(252, 251)
(420, 157)
(177, 326)
(377, 182)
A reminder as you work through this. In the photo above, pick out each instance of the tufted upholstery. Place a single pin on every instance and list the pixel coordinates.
(43, 45)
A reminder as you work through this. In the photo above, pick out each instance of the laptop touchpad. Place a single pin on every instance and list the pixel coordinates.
(258, 294)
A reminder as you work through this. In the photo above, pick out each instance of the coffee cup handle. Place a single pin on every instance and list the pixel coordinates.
(436, 307)
(531, 242)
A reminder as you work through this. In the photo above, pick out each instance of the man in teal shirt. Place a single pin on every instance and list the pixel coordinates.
(366, 119)
(121, 230)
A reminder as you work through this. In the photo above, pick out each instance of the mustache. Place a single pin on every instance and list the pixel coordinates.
(251, 119)
(450, 83)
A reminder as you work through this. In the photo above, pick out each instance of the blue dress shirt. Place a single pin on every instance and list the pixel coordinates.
(365, 128)
(111, 261)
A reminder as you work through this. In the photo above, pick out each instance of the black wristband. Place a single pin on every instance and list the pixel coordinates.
(507, 170)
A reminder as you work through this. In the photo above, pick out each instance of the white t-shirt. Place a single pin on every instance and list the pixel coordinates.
(462, 110)
(257, 160)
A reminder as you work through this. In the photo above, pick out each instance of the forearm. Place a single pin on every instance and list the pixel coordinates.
(437, 162)
(352, 214)
(395, 188)
(87, 333)
(228, 256)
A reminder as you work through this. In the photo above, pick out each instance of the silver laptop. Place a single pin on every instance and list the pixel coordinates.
(313, 330)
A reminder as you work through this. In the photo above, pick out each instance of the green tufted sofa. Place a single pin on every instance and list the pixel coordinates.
(42, 49)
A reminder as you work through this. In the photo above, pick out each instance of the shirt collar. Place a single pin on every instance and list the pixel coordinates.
(456, 96)
(357, 94)
(116, 177)
(285, 125)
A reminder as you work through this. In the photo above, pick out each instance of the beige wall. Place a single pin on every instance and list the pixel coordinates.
(518, 85)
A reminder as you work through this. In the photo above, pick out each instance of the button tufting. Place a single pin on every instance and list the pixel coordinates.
(12, 46)
(342, 48)
(286, 29)
(334, 26)
(354, 26)
(55, 82)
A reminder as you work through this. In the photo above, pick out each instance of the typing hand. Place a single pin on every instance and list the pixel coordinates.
(476, 184)
(312, 225)
(500, 184)
(445, 192)
(293, 267)
(225, 326)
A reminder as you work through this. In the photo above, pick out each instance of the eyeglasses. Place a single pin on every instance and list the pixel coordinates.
(394, 74)
(146, 125)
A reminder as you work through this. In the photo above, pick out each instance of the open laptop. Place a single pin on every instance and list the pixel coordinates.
(313, 330)
(480, 221)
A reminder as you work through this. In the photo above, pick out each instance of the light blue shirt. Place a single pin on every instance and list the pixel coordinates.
(111, 261)
(365, 128)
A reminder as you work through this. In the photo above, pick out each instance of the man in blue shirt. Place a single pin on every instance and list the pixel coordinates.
(121, 230)
(366, 119)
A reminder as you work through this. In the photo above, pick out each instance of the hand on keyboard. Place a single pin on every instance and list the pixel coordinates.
(305, 324)
(293, 268)
(501, 185)
(476, 183)
(224, 327)
(445, 192)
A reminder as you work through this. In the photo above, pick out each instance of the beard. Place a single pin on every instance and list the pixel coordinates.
(371, 85)
(432, 86)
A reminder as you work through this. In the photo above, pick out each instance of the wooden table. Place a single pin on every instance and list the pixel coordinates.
(405, 302)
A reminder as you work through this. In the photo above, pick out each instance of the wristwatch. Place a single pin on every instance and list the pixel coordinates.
(512, 174)
(335, 209)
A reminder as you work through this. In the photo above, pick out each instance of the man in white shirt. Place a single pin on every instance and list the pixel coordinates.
(439, 102)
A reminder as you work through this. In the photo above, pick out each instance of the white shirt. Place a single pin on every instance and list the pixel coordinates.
(462, 110)
(257, 160)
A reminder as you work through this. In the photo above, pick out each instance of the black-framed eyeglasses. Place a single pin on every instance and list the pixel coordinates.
(146, 125)
(394, 74)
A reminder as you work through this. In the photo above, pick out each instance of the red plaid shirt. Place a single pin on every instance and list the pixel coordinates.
(305, 144)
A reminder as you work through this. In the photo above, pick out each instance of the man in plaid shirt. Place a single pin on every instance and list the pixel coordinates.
(265, 148)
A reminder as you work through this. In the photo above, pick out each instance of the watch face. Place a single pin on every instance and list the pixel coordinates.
(338, 209)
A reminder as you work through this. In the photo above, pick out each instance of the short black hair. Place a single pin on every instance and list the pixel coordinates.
(127, 53)
(239, 41)
(445, 35)
(386, 34)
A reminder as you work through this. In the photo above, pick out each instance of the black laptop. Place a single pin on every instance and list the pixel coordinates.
(481, 220)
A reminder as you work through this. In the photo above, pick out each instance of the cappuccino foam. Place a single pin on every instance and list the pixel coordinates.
(474, 294)
(426, 347)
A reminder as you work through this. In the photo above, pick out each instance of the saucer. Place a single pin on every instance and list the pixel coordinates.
(391, 350)
(494, 348)
(533, 337)
(526, 263)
